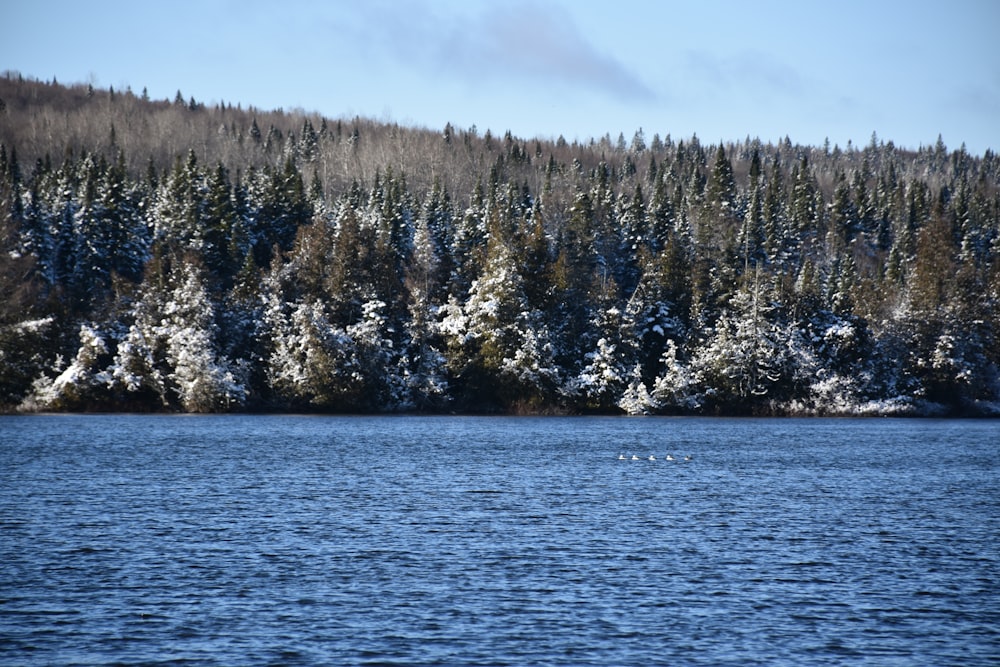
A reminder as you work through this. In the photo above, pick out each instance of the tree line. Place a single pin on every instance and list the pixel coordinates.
(176, 256)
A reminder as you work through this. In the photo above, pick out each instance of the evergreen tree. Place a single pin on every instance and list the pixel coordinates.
(501, 353)
(171, 349)
(604, 375)
(26, 330)
(220, 222)
(750, 358)
(186, 268)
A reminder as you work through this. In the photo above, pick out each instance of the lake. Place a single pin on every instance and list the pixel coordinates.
(204, 540)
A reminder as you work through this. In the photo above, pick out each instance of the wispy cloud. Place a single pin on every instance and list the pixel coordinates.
(980, 100)
(525, 42)
(747, 70)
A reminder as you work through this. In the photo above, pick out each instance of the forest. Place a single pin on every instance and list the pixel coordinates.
(176, 256)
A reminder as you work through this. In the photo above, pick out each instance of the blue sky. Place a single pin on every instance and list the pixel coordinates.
(907, 70)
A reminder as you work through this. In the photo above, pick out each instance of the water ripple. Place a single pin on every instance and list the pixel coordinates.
(305, 540)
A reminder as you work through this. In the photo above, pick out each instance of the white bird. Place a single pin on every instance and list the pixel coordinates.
(621, 457)
(669, 457)
(652, 458)
(687, 458)
(635, 458)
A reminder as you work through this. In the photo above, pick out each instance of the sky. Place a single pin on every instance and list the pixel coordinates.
(907, 70)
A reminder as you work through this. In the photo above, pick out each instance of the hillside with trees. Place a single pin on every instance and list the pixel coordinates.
(168, 255)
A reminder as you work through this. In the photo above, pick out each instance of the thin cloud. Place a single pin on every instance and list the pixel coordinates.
(983, 100)
(753, 70)
(520, 43)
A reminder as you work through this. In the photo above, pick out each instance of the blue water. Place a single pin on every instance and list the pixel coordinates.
(493, 541)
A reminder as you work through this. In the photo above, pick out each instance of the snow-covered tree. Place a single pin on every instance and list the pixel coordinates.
(78, 384)
(678, 387)
(203, 381)
(313, 362)
(425, 366)
(605, 367)
(171, 350)
(748, 358)
(498, 347)
(188, 260)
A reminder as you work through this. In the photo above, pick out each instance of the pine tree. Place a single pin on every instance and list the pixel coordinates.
(604, 373)
(313, 364)
(26, 330)
(743, 277)
(93, 239)
(468, 243)
(803, 209)
(219, 225)
(750, 239)
(171, 348)
(715, 236)
(843, 217)
(749, 358)
(634, 225)
(500, 350)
